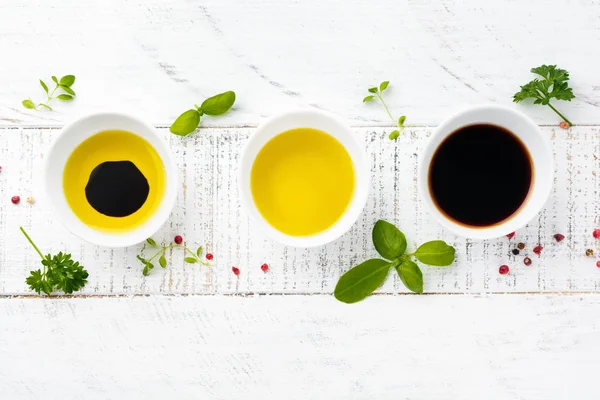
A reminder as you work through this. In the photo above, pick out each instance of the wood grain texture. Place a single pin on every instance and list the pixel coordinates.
(512, 347)
(208, 213)
(159, 57)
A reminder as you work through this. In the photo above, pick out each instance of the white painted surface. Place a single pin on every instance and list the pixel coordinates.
(159, 57)
(301, 347)
(208, 213)
(156, 58)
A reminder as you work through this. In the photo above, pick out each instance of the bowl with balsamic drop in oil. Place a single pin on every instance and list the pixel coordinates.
(486, 172)
(111, 179)
(304, 178)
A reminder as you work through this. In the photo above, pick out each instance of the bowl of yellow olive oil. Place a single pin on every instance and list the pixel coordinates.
(111, 179)
(304, 178)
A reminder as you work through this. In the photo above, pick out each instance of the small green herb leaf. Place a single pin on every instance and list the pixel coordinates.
(199, 251)
(28, 104)
(45, 106)
(190, 260)
(384, 85)
(186, 123)
(388, 240)
(150, 265)
(436, 253)
(55, 79)
(151, 242)
(68, 90)
(373, 90)
(411, 276)
(142, 260)
(65, 97)
(368, 98)
(44, 86)
(146, 270)
(67, 80)
(394, 135)
(401, 120)
(218, 104)
(361, 281)
(162, 261)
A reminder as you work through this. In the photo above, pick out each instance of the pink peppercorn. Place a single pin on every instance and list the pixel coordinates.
(538, 249)
(178, 239)
(527, 261)
(503, 269)
(15, 199)
(235, 270)
(596, 233)
(264, 267)
(209, 256)
(558, 237)
(564, 125)
(510, 235)
(598, 264)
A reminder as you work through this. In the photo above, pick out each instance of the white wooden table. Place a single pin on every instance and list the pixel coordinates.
(192, 332)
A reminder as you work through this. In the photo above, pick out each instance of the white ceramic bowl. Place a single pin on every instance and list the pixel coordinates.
(69, 138)
(537, 145)
(326, 123)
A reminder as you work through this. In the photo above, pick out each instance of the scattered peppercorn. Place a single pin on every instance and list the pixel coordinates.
(209, 256)
(515, 252)
(521, 246)
(30, 200)
(178, 239)
(558, 237)
(503, 269)
(598, 264)
(235, 270)
(564, 125)
(15, 199)
(264, 267)
(527, 261)
(0, 169)
(596, 233)
(589, 252)
(510, 235)
(538, 249)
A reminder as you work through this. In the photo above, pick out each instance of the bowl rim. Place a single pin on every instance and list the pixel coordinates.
(149, 227)
(357, 154)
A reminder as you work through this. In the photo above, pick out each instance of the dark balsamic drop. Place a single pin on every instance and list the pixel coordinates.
(480, 175)
(117, 188)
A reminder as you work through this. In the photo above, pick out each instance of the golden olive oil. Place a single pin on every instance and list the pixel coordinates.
(302, 181)
(114, 181)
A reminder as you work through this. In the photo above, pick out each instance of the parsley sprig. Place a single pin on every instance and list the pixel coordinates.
(377, 92)
(553, 85)
(59, 272)
(64, 84)
(192, 257)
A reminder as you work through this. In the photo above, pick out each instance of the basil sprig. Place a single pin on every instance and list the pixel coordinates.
(187, 122)
(362, 280)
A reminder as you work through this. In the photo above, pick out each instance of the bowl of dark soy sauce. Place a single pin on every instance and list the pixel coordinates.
(111, 179)
(486, 172)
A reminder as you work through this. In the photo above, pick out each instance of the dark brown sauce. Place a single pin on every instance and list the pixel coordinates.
(480, 175)
(117, 188)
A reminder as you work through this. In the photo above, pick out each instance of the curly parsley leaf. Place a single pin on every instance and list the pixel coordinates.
(552, 85)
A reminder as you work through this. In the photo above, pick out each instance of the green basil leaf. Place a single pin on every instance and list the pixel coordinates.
(373, 90)
(190, 260)
(162, 261)
(150, 265)
(411, 276)
(67, 80)
(28, 104)
(361, 281)
(44, 86)
(388, 240)
(401, 120)
(199, 251)
(186, 123)
(55, 79)
(218, 104)
(436, 253)
(384, 85)
(68, 90)
(394, 135)
(368, 98)
(141, 259)
(151, 241)
(65, 97)
(145, 271)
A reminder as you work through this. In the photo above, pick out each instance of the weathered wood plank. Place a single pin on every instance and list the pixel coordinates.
(159, 57)
(208, 212)
(301, 347)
